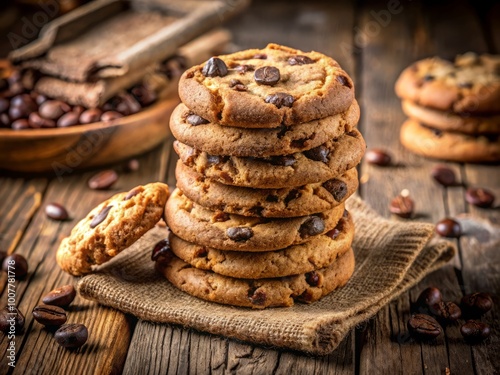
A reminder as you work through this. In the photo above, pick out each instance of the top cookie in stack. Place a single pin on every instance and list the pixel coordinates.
(268, 149)
(454, 108)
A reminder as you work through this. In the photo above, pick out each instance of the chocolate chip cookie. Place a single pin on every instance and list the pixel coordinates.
(318, 164)
(257, 294)
(266, 88)
(194, 223)
(287, 202)
(470, 84)
(111, 227)
(318, 253)
(458, 147)
(215, 139)
(451, 121)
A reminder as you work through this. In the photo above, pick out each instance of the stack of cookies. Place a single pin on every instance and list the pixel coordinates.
(268, 153)
(453, 108)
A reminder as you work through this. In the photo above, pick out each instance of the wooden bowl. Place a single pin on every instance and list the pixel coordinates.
(62, 150)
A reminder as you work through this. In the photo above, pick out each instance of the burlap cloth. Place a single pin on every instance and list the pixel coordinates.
(391, 256)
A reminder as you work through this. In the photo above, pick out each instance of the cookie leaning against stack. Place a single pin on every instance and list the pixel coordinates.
(454, 108)
(268, 148)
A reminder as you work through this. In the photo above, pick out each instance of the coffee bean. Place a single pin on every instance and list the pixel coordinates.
(4, 105)
(5, 120)
(239, 234)
(71, 336)
(39, 98)
(20, 124)
(424, 326)
(257, 296)
(110, 116)
(133, 192)
(56, 211)
(344, 81)
(477, 303)
(449, 228)
(49, 315)
(144, 94)
(21, 106)
(378, 157)
(337, 188)
(475, 331)
(214, 67)
(444, 175)
(3, 254)
(319, 153)
(127, 105)
(280, 99)
(132, 165)
(312, 226)
(78, 109)
(61, 296)
(402, 206)
(90, 116)
(6, 315)
(53, 109)
(36, 121)
(300, 60)
(196, 120)
(4, 84)
(447, 311)
(68, 119)
(480, 197)
(429, 297)
(267, 75)
(100, 217)
(312, 278)
(103, 180)
(161, 248)
(281, 160)
(15, 264)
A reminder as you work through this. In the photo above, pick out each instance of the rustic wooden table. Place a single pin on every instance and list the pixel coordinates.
(373, 41)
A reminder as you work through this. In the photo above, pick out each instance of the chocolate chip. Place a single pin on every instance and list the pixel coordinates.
(103, 180)
(256, 296)
(240, 88)
(402, 205)
(100, 217)
(239, 234)
(438, 133)
(312, 226)
(300, 60)
(267, 75)
(256, 211)
(334, 233)
(133, 192)
(424, 326)
(272, 198)
(55, 211)
(15, 264)
(196, 120)
(475, 331)
(428, 77)
(260, 56)
(429, 297)
(292, 194)
(378, 157)
(237, 85)
(344, 81)
(281, 160)
(220, 216)
(216, 159)
(447, 311)
(62, 296)
(465, 85)
(477, 303)
(449, 228)
(36, 121)
(71, 336)
(319, 153)
(160, 248)
(201, 252)
(337, 188)
(68, 119)
(444, 175)
(214, 67)
(479, 197)
(242, 69)
(280, 99)
(312, 278)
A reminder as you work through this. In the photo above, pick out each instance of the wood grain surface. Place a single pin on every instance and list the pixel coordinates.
(373, 52)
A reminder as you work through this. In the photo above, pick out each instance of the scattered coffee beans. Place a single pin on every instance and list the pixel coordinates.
(429, 297)
(71, 336)
(103, 180)
(378, 157)
(475, 331)
(447, 311)
(477, 303)
(444, 175)
(49, 315)
(479, 197)
(449, 228)
(424, 326)
(132, 165)
(6, 314)
(55, 211)
(402, 205)
(61, 296)
(16, 264)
